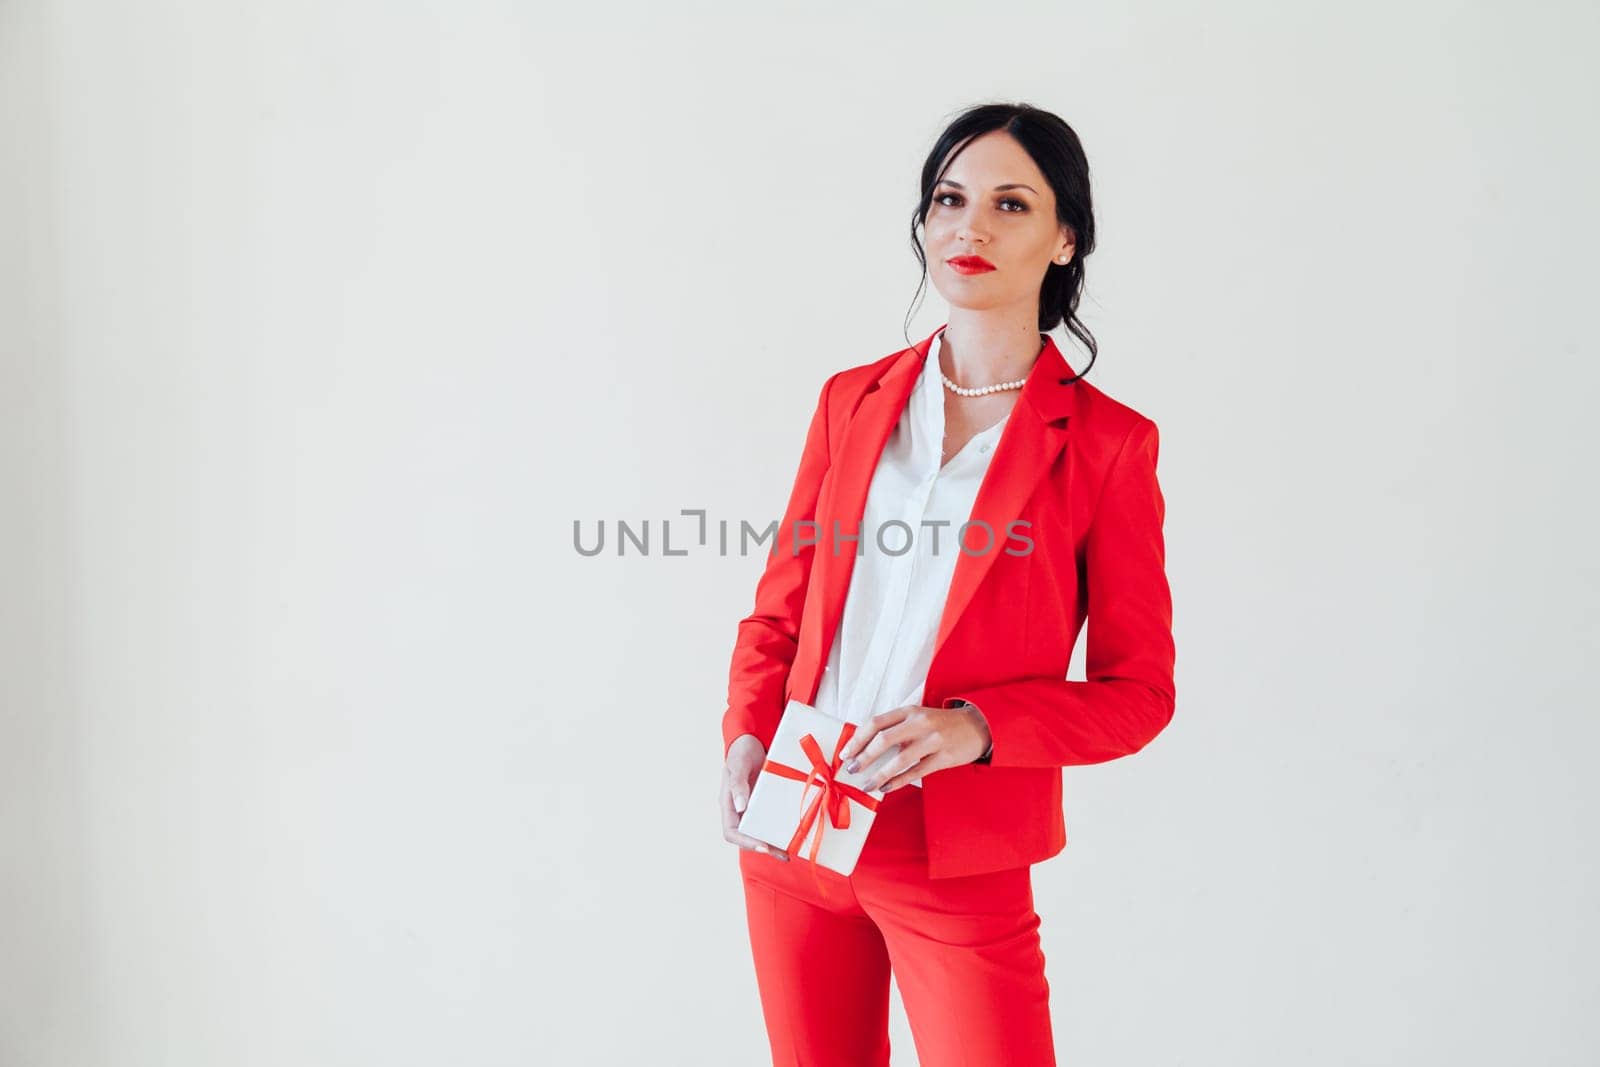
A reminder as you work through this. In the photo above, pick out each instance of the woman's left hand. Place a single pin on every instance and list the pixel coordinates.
(929, 739)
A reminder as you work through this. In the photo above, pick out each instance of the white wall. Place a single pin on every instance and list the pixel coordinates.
(321, 322)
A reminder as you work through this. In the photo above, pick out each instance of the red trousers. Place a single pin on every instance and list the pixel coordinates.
(964, 952)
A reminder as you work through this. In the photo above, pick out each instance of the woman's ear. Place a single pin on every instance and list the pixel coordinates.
(1070, 244)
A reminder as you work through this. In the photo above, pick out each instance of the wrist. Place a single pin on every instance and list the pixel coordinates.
(983, 727)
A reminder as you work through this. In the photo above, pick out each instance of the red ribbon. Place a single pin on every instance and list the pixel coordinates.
(834, 796)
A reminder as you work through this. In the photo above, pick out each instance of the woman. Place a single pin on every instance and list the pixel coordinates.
(951, 653)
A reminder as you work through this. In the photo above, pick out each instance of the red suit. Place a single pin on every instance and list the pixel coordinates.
(1079, 468)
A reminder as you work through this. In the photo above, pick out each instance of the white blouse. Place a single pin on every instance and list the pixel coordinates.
(898, 585)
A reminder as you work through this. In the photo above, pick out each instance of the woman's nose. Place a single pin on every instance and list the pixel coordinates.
(970, 229)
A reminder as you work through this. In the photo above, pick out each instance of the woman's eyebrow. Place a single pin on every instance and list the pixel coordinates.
(998, 188)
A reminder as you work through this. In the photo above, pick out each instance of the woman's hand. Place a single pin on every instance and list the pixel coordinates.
(929, 739)
(745, 757)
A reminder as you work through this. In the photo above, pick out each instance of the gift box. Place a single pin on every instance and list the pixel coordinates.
(804, 801)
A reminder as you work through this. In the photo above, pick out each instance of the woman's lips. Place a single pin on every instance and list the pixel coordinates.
(969, 264)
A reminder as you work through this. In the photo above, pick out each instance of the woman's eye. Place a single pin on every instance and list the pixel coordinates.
(944, 198)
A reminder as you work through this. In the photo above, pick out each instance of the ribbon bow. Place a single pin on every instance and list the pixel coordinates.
(833, 796)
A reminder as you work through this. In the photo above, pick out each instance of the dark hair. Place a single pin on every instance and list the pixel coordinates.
(1056, 149)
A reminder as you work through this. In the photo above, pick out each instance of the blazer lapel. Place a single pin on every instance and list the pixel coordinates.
(1032, 439)
(856, 462)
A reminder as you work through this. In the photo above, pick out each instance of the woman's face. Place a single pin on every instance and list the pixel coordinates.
(993, 204)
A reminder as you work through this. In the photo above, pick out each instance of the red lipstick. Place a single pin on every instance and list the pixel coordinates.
(969, 264)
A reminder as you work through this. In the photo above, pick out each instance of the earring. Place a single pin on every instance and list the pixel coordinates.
(1062, 259)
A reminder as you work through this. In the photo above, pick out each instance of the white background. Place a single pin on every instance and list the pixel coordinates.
(320, 323)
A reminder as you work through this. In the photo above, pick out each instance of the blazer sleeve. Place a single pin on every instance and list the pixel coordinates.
(1129, 695)
(769, 636)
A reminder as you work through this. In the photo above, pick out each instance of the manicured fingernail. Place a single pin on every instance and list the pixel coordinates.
(851, 766)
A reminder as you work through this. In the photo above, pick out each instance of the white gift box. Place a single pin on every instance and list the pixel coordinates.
(781, 799)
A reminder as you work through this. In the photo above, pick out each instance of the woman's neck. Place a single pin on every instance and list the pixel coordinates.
(986, 347)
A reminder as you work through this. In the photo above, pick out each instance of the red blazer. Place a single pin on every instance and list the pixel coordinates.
(1081, 468)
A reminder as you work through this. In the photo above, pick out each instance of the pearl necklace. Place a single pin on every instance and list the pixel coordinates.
(984, 390)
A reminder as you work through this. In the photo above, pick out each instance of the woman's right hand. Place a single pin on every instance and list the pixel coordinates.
(745, 757)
